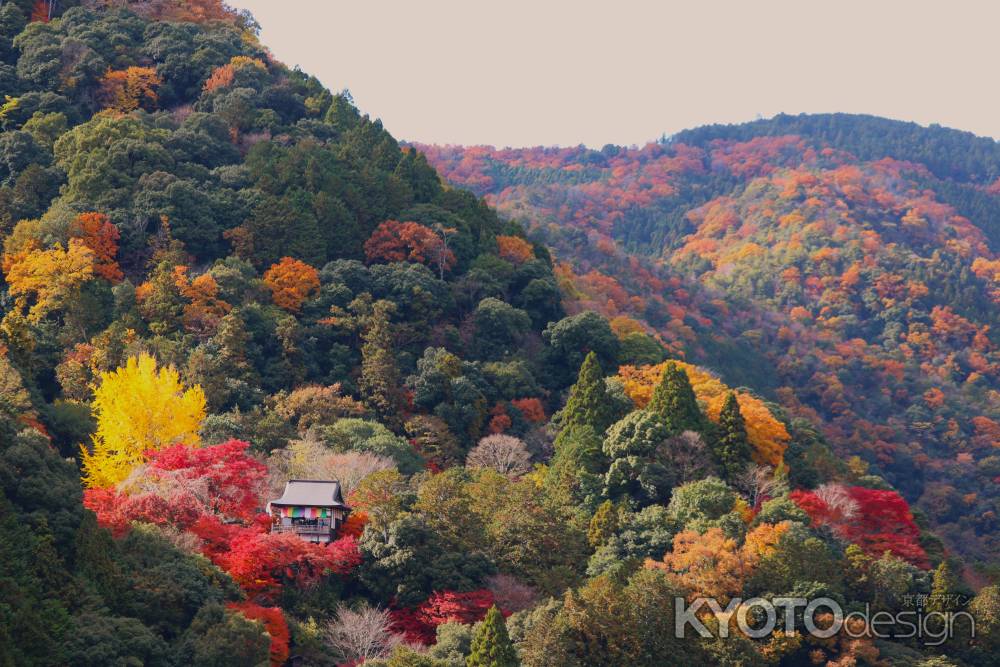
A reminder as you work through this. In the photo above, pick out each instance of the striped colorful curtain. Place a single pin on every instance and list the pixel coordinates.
(305, 512)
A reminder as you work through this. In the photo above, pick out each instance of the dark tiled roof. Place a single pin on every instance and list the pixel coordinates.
(311, 493)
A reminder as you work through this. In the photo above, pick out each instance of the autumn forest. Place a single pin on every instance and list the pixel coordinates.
(561, 390)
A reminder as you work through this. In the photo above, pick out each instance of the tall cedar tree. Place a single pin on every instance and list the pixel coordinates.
(674, 401)
(380, 381)
(491, 647)
(942, 597)
(589, 403)
(731, 447)
(603, 524)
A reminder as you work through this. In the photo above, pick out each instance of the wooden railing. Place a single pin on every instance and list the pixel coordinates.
(319, 527)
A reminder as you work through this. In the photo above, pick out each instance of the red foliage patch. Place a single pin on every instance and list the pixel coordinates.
(116, 511)
(418, 624)
(500, 421)
(531, 409)
(194, 489)
(263, 563)
(878, 521)
(275, 624)
(234, 481)
(355, 524)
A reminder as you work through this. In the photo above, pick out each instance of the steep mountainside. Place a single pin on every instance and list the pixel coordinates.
(168, 191)
(846, 266)
(220, 277)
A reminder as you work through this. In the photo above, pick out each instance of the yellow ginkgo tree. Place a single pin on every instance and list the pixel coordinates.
(139, 408)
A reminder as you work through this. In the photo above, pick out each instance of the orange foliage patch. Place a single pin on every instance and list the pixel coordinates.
(222, 76)
(515, 249)
(130, 89)
(98, 234)
(394, 241)
(713, 565)
(205, 309)
(531, 409)
(291, 282)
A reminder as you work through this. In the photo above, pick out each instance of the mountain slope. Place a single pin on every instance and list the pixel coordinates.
(212, 239)
(219, 276)
(844, 265)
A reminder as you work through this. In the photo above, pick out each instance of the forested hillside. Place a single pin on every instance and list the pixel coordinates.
(219, 276)
(844, 266)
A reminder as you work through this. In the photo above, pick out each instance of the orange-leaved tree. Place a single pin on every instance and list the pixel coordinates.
(129, 89)
(394, 241)
(224, 75)
(101, 236)
(205, 309)
(714, 565)
(515, 249)
(291, 282)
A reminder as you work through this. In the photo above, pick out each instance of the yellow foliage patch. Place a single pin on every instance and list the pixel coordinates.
(49, 277)
(139, 409)
(768, 437)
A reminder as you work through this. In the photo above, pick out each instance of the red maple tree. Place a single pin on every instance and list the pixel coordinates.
(418, 624)
(233, 481)
(275, 624)
(875, 520)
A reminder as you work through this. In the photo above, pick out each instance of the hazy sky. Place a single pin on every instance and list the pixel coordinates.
(528, 72)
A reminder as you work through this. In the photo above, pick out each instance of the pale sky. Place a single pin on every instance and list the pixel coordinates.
(566, 72)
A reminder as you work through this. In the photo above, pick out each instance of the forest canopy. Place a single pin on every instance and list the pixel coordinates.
(698, 373)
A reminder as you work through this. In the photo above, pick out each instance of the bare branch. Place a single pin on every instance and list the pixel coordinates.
(361, 634)
(503, 453)
(758, 483)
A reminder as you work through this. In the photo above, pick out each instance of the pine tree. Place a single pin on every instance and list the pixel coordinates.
(943, 589)
(589, 403)
(674, 401)
(731, 447)
(491, 647)
(380, 382)
(342, 114)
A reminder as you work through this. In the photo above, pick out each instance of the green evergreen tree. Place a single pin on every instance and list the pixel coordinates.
(589, 403)
(94, 552)
(943, 589)
(342, 113)
(731, 447)
(380, 381)
(12, 22)
(636, 471)
(281, 227)
(603, 525)
(674, 401)
(420, 176)
(218, 637)
(491, 647)
(576, 471)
